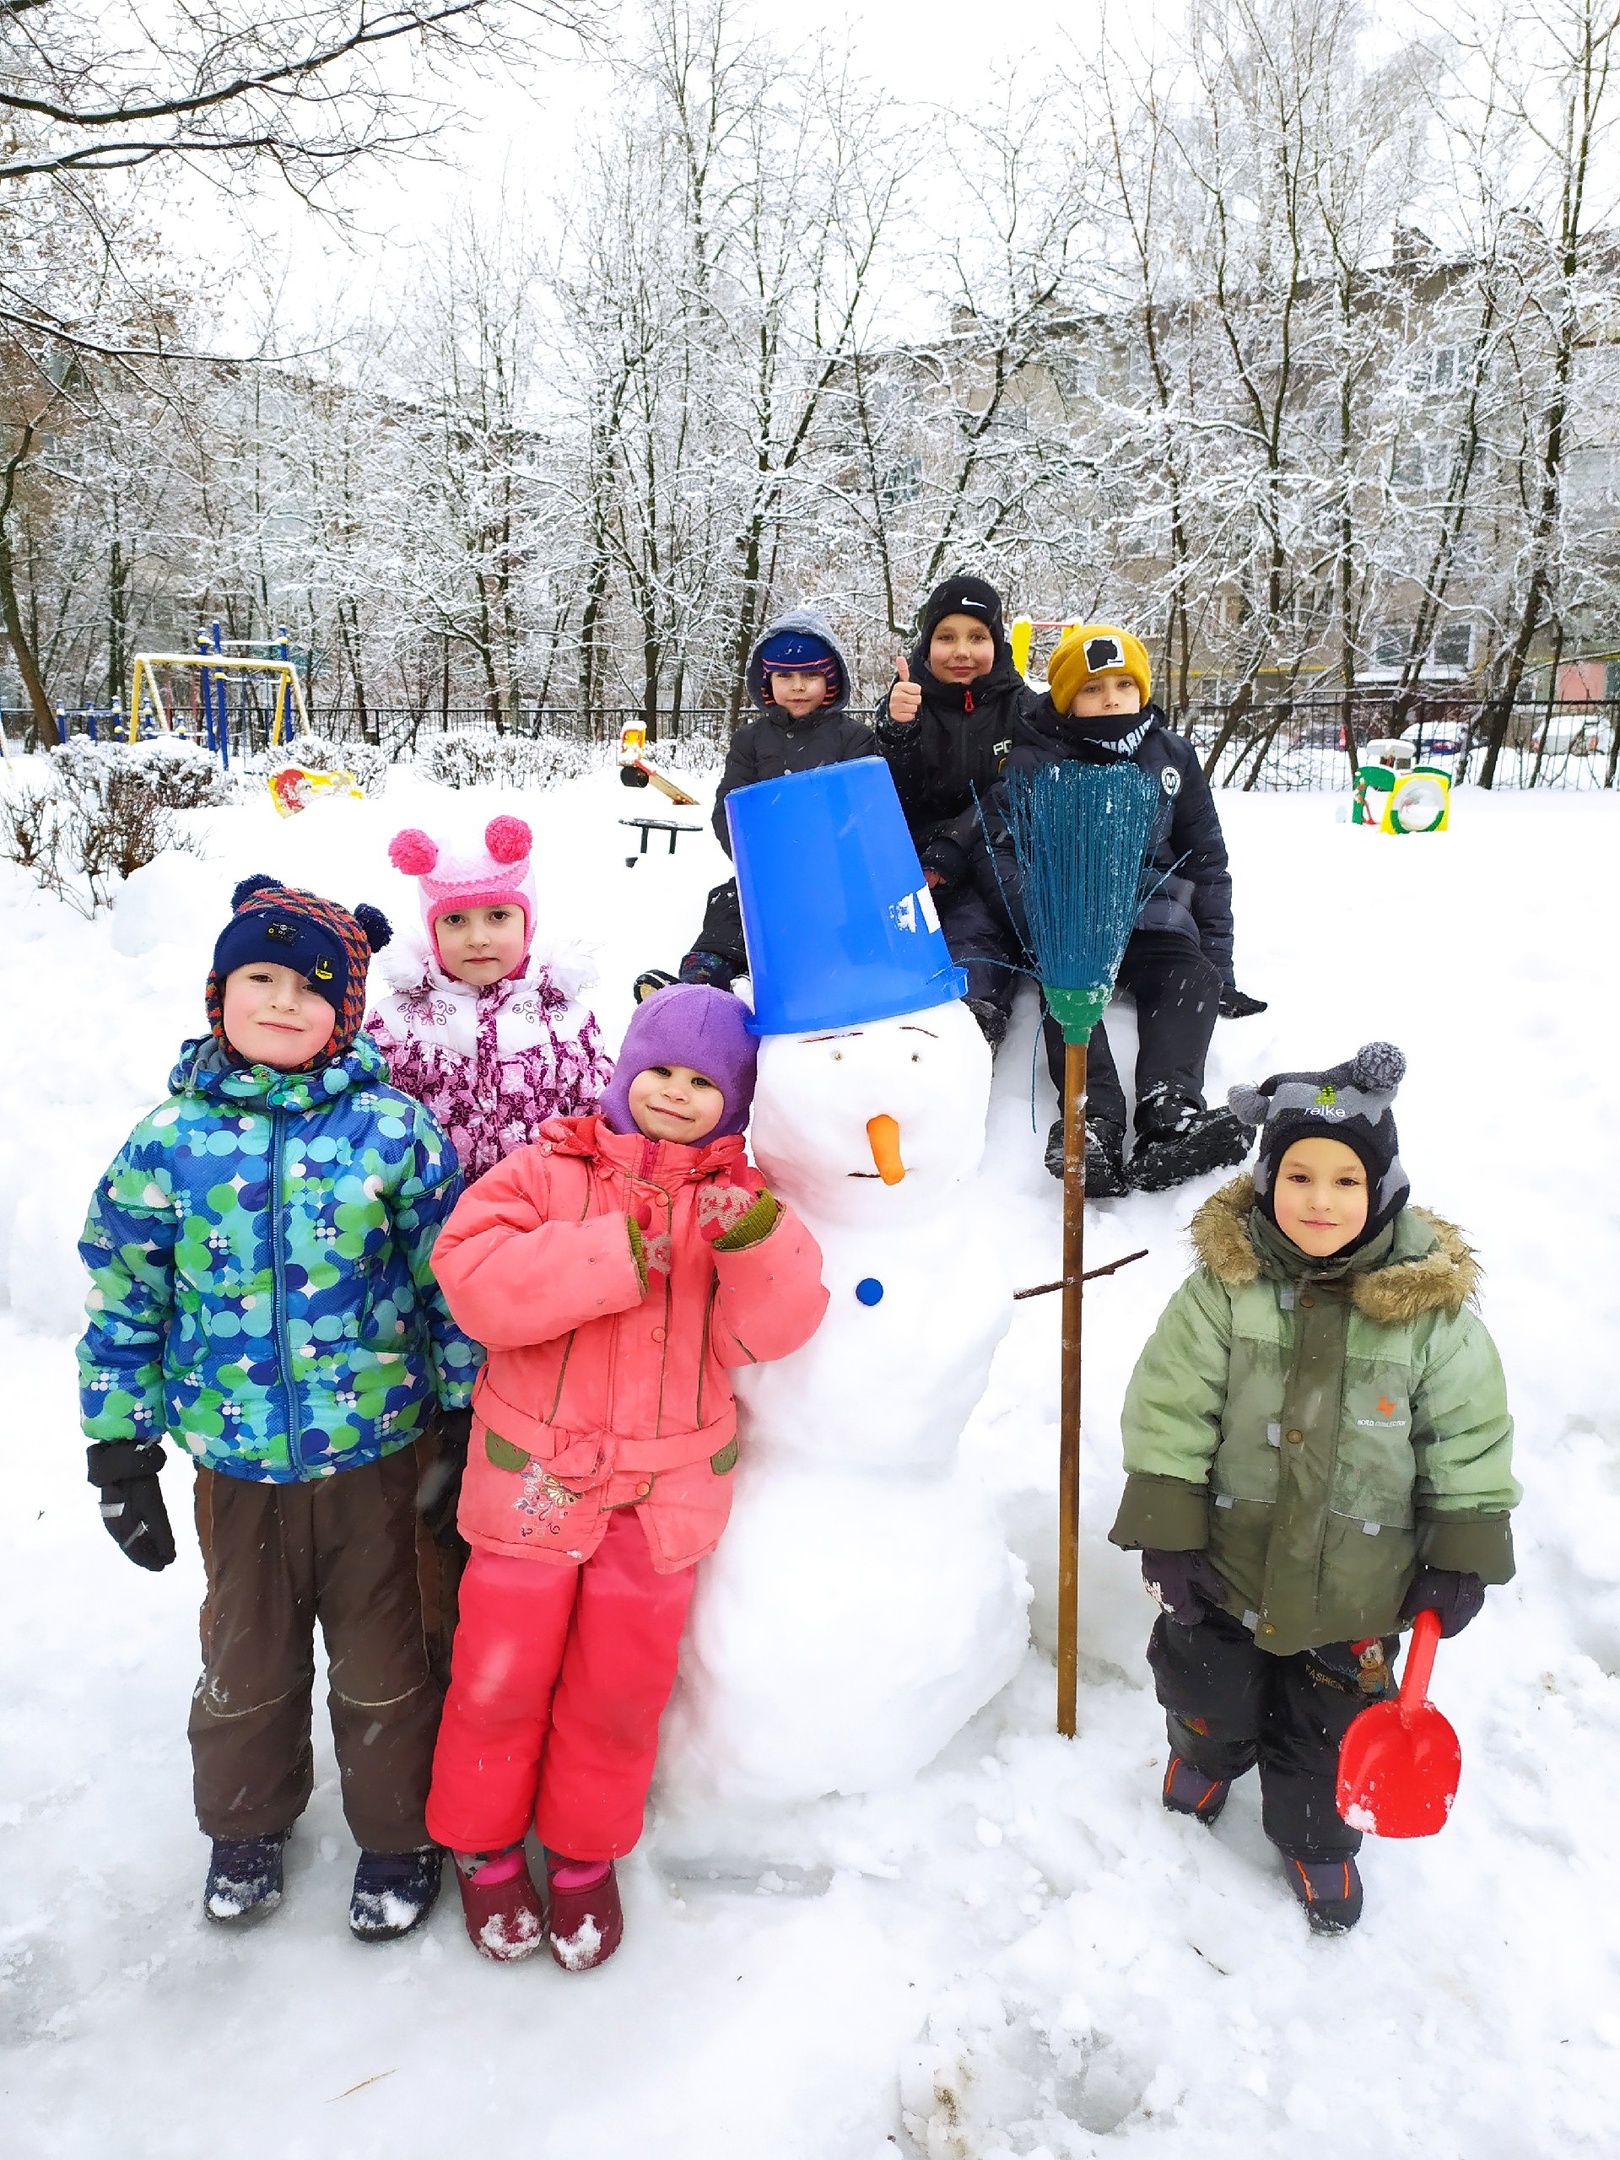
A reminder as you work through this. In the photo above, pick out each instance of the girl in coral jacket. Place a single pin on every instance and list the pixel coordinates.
(615, 1270)
(478, 1029)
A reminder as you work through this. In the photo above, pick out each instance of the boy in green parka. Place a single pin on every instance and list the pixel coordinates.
(1317, 1444)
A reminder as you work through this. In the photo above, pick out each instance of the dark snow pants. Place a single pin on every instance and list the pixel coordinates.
(1177, 993)
(980, 942)
(1232, 1705)
(350, 1552)
(722, 930)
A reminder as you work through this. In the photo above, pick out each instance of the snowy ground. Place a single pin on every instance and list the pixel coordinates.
(1019, 1953)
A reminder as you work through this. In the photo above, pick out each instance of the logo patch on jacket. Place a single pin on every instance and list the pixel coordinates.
(1170, 780)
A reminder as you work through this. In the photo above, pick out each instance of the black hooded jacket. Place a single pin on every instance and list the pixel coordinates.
(774, 744)
(955, 747)
(1186, 882)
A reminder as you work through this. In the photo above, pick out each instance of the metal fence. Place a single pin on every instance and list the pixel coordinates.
(1315, 742)
(1294, 744)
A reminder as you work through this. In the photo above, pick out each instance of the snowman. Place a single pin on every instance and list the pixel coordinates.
(863, 1603)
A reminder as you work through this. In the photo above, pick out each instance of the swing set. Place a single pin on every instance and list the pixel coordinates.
(213, 665)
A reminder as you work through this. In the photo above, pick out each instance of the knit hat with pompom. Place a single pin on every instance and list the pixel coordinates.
(499, 874)
(287, 927)
(1352, 1103)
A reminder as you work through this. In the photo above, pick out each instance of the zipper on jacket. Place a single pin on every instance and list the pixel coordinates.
(568, 1346)
(703, 1347)
(278, 1264)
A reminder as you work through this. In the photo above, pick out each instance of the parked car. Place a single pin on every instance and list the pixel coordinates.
(1433, 743)
(1569, 734)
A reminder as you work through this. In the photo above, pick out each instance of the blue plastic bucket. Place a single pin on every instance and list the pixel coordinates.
(840, 923)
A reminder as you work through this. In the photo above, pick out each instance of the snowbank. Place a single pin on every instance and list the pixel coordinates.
(1017, 1953)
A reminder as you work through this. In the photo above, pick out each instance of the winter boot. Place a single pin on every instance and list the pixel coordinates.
(1189, 1792)
(587, 1920)
(1330, 1891)
(1105, 1158)
(707, 967)
(244, 1879)
(1176, 1140)
(393, 1892)
(649, 980)
(505, 1918)
(992, 1020)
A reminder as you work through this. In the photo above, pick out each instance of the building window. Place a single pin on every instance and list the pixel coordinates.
(1392, 645)
(1454, 645)
(902, 483)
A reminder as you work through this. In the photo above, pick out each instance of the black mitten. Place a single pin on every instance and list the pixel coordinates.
(1185, 1583)
(1236, 1004)
(1456, 1597)
(439, 1495)
(132, 1499)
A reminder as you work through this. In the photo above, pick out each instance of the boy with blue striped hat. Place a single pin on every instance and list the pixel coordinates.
(798, 682)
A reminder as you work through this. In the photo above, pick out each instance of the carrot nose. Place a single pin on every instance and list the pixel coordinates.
(884, 1135)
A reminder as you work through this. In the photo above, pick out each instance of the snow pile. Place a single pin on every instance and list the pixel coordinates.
(863, 1604)
(1016, 1952)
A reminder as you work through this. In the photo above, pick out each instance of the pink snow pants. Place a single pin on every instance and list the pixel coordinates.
(557, 1681)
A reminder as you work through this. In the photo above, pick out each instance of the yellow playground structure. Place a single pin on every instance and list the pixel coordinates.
(215, 664)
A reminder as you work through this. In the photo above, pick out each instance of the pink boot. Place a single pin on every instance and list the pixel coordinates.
(501, 1905)
(587, 1920)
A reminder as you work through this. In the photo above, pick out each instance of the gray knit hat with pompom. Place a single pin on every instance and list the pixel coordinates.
(1351, 1103)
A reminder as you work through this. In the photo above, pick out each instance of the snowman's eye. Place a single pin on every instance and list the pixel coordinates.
(916, 1057)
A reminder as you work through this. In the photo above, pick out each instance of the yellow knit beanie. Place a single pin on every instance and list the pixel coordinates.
(1095, 649)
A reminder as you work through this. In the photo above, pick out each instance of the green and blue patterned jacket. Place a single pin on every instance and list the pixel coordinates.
(261, 1280)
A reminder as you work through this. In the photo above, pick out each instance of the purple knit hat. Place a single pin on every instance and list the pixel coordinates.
(688, 1024)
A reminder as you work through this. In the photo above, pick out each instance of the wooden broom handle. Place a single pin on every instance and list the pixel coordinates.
(1074, 1237)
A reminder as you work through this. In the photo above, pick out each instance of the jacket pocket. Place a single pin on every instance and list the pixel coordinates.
(1375, 1470)
(1366, 1569)
(1239, 1539)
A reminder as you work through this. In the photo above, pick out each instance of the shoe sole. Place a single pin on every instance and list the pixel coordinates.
(249, 1916)
(1206, 1816)
(1222, 1158)
(392, 1934)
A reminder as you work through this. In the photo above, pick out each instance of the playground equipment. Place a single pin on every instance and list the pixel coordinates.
(215, 663)
(1394, 794)
(295, 787)
(635, 771)
(1021, 635)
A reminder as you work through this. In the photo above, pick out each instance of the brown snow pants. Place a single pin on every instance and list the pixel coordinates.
(348, 1551)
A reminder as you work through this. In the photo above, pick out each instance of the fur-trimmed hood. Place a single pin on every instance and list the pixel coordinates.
(1431, 1267)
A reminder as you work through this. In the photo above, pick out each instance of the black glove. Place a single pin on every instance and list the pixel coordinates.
(439, 1494)
(1236, 1004)
(946, 859)
(1456, 1597)
(132, 1500)
(1184, 1583)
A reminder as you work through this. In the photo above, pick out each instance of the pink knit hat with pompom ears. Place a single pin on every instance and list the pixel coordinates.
(499, 874)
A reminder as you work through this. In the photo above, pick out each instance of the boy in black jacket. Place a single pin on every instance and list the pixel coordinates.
(798, 681)
(1178, 959)
(945, 728)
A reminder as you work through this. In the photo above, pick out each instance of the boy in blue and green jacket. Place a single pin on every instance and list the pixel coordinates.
(262, 1292)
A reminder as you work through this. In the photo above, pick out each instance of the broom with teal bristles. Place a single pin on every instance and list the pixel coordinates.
(1079, 834)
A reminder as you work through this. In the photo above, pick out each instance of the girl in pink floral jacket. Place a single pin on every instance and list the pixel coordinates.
(491, 1040)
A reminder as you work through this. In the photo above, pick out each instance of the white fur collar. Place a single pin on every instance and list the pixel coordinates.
(407, 961)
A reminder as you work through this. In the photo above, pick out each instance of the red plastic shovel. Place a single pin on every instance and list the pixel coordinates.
(1399, 1764)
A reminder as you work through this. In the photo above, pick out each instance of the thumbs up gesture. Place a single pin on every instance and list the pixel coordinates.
(905, 696)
